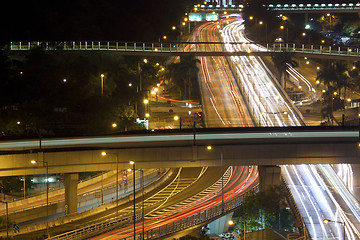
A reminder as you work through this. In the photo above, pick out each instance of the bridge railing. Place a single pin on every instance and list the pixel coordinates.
(298, 218)
(195, 47)
(198, 218)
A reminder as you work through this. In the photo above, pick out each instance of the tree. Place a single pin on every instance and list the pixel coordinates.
(263, 210)
(282, 61)
(186, 75)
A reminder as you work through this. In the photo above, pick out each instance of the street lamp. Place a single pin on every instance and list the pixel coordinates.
(47, 191)
(147, 103)
(117, 178)
(178, 118)
(261, 23)
(102, 84)
(209, 148)
(326, 221)
(133, 164)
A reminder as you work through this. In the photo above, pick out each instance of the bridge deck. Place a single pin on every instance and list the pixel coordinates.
(194, 48)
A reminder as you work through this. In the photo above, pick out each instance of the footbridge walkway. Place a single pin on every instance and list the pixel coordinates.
(194, 48)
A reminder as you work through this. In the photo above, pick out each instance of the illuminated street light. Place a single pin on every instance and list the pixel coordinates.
(114, 125)
(164, 37)
(64, 80)
(251, 17)
(304, 34)
(133, 163)
(102, 84)
(145, 60)
(146, 101)
(209, 147)
(47, 190)
(281, 27)
(147, 115)
(130, 84)
(173, 28)
(231, 222)
(117, 179)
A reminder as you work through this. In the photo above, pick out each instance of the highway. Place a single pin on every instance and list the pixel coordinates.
(236, 181)
(222, 104)
(318, 191)
(253, 98)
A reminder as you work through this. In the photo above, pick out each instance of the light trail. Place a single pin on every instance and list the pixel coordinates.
(311, 189)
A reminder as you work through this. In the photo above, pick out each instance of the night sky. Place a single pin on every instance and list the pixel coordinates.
(60, 20)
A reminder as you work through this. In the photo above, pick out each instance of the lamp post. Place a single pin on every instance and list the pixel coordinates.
(133, 169)
(102, 84)
(142, 205)
(222, 177)
(117, 178)
(261, 23)
(178, 118)
(47, 191)
(326, 221)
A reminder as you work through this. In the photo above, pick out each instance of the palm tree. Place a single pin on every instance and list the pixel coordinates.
(186, 75)
(282, 61)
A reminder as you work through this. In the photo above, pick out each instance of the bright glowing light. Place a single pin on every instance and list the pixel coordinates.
(208, 147)
(147, 115)
(130, 84)
(132, 162)
(146, 101)
(64, 80)
(33, 161)
(145, 60)
(103, 153)
(176, 118)
(18, 122)
(114, 125)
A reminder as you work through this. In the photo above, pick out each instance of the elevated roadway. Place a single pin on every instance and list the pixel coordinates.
(240, 146)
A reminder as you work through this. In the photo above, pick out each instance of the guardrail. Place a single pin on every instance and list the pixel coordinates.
(167, 229)
(302, 227)
(193, 47)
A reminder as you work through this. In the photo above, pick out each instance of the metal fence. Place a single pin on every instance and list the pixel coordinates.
(198, 218)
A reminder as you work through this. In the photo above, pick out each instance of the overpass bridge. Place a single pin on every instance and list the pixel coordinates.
(171, 149)
(334, 7)
(195, 48)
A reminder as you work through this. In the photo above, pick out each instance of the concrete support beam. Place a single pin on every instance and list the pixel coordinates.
(71, 181)
(269, 176)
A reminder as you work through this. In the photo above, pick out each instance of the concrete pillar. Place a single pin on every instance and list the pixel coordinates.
(220, 225)
(269, 176)
(71, 182)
